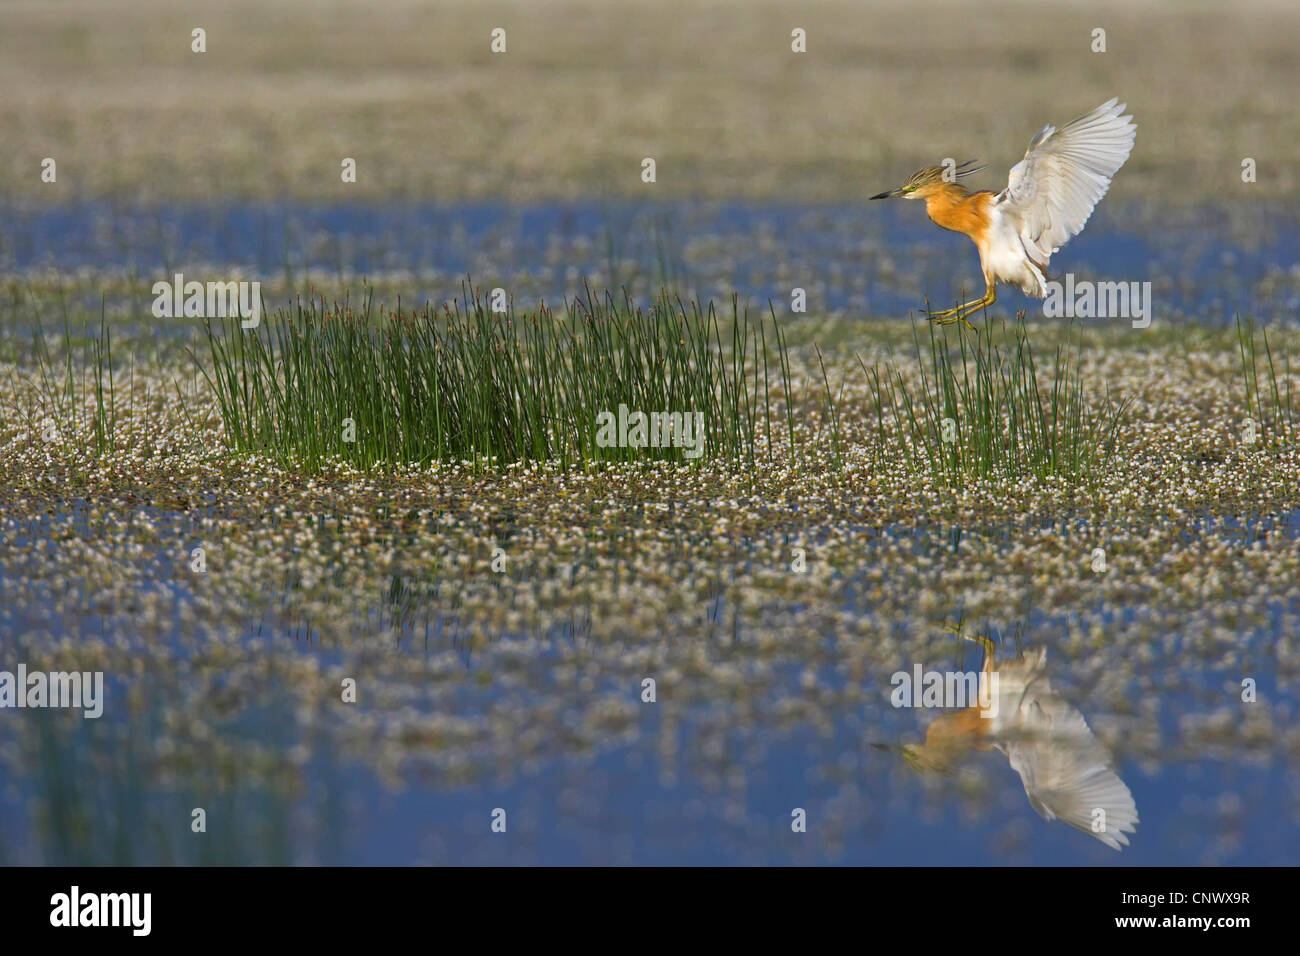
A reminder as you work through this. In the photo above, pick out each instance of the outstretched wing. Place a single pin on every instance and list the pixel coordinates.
(1064, 174)
(1067, 773)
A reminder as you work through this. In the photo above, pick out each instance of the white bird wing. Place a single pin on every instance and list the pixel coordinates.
(1064, 174)
(1067, 773)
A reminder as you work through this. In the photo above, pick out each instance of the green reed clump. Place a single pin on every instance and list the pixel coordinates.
(981, 411)
(462, 383)
(1274, 416)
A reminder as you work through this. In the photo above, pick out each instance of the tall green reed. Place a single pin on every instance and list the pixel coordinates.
(370, 386)
(1275, 415)
(982, 411)
(66, 387)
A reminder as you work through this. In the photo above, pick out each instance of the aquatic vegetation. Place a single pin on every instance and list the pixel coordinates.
(468, 383)
(1269, 408)
(69, 389)
(361, 575)
(500, 617)
(983, 412)
(474, 680)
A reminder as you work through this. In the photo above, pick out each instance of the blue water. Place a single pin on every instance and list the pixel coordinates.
(872, 259)
(690, 781)
(619, 807)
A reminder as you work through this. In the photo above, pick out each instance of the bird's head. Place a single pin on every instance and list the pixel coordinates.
(929, 180)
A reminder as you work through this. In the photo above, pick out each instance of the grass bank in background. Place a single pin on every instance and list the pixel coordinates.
(981, 411)
(464, 383)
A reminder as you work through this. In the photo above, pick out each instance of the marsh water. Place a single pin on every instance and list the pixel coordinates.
(759, 712)
(1205, 263)
(523, 689)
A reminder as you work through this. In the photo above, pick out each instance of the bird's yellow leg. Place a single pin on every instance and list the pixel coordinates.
(957, 314)
(963, 307)
(989, 298)
(983, 640)
(945, 313)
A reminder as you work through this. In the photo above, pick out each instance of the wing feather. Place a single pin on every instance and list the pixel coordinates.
(1064, 174)
(1067, 773)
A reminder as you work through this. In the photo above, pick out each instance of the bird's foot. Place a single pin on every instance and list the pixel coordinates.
(956, 314)
(951, 317)
(959, 313)
(936, 314)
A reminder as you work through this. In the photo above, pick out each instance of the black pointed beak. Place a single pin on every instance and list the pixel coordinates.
(888, 194)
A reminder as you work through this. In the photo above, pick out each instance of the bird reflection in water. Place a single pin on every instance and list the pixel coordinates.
(1066, 771)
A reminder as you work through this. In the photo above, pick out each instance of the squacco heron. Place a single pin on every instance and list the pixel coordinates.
(1065, 770)
(1049, 196)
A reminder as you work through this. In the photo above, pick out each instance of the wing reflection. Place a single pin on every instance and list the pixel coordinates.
(1066, 771)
